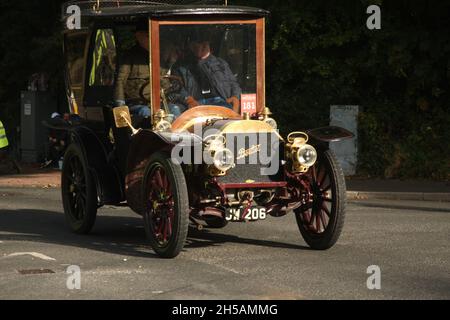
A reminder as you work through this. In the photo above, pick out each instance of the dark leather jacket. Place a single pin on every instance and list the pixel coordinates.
(219, 74)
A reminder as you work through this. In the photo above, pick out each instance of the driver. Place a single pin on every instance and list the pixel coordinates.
(133, 79)
(208, 80)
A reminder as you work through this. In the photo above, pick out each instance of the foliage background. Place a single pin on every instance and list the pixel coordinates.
(319, 53)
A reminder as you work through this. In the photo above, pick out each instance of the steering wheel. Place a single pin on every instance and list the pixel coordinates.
(176, 84)
(144, 92)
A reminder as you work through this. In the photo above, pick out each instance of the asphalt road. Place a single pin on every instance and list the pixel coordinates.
(409, 241)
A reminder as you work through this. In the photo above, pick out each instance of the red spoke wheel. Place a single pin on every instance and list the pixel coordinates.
(321, 221)
(79, 194)
(166, 218)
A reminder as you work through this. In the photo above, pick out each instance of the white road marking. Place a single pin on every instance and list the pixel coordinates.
(33, 254)
(157, 292)
(214, 264)
(231, 270)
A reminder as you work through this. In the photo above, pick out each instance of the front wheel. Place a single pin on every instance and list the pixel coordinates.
(321, 221)
(166, 218)
(79, 193)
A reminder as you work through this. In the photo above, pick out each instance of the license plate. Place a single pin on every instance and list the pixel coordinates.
(252, 214)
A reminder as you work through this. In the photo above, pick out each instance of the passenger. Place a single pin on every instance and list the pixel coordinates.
(132, 85)
(208, 80)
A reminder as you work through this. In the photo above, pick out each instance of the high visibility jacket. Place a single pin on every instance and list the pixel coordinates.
(105, 45)
(3, 139)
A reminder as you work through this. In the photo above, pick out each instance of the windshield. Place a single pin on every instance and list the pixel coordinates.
(207, 64)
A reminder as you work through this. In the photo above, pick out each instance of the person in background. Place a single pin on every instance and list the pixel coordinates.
(7, 165)
(133, 79)
(58, 137)
(3, 138)
(208, 80)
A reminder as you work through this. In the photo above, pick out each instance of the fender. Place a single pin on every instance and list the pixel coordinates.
(325, 135)
(106, 176)
(143, 146)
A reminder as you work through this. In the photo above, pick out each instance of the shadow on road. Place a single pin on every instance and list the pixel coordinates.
(205, 238)
(116, 235)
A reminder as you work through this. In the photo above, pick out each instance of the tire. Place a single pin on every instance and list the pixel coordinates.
(321, 222)
(79, 193)
(166, 218)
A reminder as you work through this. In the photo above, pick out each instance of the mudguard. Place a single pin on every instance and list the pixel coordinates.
(329, 134)
(143, 146)
(107, 178)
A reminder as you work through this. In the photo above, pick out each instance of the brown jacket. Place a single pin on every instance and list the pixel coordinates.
(133, 79)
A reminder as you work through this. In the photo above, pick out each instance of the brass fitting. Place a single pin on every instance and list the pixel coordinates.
(297, 141)
(160, 121)
(266, 114)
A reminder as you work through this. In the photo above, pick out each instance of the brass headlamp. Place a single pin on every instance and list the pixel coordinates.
(222, 158)
(302, 155)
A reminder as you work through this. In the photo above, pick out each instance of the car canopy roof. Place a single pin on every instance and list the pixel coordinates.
(130, 10)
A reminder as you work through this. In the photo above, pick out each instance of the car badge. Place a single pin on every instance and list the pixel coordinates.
(247, 153)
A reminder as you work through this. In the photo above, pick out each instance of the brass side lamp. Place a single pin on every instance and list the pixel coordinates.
(122, 118)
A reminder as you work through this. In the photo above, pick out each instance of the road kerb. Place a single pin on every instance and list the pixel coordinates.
(411, 196)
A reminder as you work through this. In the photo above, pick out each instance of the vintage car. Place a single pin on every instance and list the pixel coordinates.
(212, 164)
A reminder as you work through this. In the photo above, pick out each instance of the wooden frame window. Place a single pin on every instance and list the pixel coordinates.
(156, 26)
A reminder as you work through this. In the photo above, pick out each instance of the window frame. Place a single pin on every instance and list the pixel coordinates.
(97, 96)
(155, 66)
(75, 105)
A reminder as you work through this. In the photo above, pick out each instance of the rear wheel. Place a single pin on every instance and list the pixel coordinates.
(167, 206)
(321, 221)
(79, 194)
